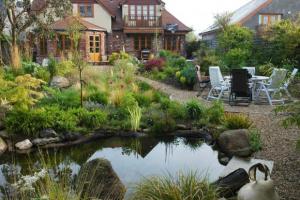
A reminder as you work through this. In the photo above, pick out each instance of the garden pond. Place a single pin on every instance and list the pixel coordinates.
(132, 159)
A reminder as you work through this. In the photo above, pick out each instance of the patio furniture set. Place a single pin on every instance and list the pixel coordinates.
(244, 86)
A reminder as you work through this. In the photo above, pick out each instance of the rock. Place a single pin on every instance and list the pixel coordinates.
(4, 134)
(223, 158)
(24, 145)
(60, 82)
(48, 133)
(69, 136)
(100, 181)
(181, 127)
(3, 146)
(44, 141)
(235, 143)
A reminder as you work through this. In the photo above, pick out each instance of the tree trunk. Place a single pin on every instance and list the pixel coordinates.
(1, 54)
(15, 56)
(230, 184)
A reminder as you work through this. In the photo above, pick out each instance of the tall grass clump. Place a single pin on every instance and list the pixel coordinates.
(135, 117)
(195, 109)
(237, 121)
(181, 187)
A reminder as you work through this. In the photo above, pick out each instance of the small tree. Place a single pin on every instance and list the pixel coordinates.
(24, 14)
(235, 45)
(77, 57)
(222, 21)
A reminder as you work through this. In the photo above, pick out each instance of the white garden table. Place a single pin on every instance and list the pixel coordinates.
(254, 81)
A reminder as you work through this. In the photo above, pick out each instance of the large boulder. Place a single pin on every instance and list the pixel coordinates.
(97, 180)
(59, 82)
(23, 145)
(235, 143)
(3, 146)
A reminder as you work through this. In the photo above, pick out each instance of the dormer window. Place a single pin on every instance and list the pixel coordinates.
(268, 19)
(86, 10)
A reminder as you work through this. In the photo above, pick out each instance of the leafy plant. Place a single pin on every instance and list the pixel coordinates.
(118, 56)
(180, 187)
(65, 99)
(23, 92)
(187, 76)
(156, 63)
(266, 69)
(235, 45)
(237, 121)
(90, 119)
(135, 117)
(255, 140)
(216, 113)
(194, 109)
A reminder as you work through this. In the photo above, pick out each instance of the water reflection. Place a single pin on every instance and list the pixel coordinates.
(132, 159)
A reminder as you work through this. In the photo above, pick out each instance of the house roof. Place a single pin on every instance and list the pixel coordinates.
(145, 2)
(64, 24)
(243, 13)
(168, 18)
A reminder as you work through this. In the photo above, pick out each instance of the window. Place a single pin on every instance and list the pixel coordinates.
(86, 10)
(64, 43)
(142, 42)
(132, 11)
(139, 12)
(151, 11)
(145, 12)
(267, 19)
(172, 43)
(43, 46)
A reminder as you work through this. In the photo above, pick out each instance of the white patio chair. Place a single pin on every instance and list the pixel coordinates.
(288, 82)
(251, 70)
(273, 87)
(218, 85)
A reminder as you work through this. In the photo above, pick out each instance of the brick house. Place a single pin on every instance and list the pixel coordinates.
(113, 25)
(256, 15)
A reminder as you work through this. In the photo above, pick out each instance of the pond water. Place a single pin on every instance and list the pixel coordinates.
(132, 159)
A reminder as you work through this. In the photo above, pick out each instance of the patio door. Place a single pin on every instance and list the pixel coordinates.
(95, 44)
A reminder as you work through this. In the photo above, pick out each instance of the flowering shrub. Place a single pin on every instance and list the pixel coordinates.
(187, 76)
(156, 63)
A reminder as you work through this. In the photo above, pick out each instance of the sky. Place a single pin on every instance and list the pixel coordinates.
(199, 14)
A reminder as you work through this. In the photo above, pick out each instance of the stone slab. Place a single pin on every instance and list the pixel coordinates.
(236, 163)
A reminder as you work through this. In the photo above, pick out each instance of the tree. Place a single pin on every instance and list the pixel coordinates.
(281, 43)
(2, 26)
(222, 21)
(77, 58)
(24, 14)
(235, 45)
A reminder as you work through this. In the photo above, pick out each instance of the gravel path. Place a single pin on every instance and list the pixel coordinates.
(279, 144)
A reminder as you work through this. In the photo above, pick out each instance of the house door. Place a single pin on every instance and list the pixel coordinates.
(95, 48)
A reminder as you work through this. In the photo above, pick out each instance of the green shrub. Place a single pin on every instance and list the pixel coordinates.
(42, 73)
(255, 140)
(69, 98)
(216, 113)
(266, 69)
(144, 86)
(99, 97)
(177, 110)
(52, 67)
(195, 110)
(30, 67)
(118, 56)
(90, 119)
(162, 125)
(31, 122)
(237, 121)
(65, 68)
(187, 76)
(182, 187)
(142, 99)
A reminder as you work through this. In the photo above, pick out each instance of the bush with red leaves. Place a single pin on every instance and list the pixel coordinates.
(156, 63)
